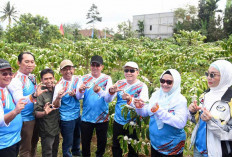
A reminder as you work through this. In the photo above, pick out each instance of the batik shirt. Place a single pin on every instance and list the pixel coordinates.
(136, 90)
(9, 134)
(95, 105)
(70, 105)
(23, 86)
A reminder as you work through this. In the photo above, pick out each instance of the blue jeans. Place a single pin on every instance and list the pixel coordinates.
(70, 131)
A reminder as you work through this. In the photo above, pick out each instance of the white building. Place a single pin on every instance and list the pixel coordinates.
(159, 25)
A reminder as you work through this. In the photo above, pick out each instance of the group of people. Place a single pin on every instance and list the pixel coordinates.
(29, 111)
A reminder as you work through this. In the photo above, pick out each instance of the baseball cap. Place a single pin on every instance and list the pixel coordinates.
(131, 64)
(97, 59)
(4, 64)
(65, 63)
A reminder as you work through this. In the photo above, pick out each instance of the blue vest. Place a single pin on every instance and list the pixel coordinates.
(10, 135)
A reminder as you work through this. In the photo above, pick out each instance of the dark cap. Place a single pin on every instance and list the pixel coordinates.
(4, 64)
(97, 59)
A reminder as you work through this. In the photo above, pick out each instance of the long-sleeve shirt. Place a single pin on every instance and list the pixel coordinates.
(9, 134)
(95, 105)
(136, 90)
(23, 86)
(70, 105)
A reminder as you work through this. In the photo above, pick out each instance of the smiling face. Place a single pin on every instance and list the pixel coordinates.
(48, 80)
(131, 74)
(67, 72)
(213, 82)
(5, 77)
(96, 69)
(27, 65)
(166, 87)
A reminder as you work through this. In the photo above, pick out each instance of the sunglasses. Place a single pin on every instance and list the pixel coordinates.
(7, 73)
(211, 75)
(95, 65)
(169, 82)
(131, 70)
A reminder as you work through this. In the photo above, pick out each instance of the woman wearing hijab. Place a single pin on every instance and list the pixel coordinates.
(212, 133)
(167, 109)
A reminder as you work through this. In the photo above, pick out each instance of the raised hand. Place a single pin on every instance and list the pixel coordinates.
(193, 107)
(62, 93)
(39, 90)
(126, 96)
(113, 89)
(139, 103)
(206, 115)
(20, 105)
(96, 88)
(83, 87)
(155, 108)
(48, 108)
(72, 93)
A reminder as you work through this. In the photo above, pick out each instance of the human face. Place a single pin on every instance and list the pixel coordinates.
(131, 74)
(96, 69)
(5, 80)
(27, 64)
(166, 87)
(48, 80)
(67, 72)
(213, 82)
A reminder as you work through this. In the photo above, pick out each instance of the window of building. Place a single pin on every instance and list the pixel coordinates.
(150, 27)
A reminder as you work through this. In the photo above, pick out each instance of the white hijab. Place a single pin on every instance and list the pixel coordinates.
(225, 69)
(165, 99)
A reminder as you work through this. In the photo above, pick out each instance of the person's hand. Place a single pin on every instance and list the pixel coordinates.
(126, 96)
(83, 87)
(113, 89)
(48, 108)
(206, 115)
(39, 90)
(61, 93)
(155, 108)
(72, 93)
(139, 103)
(96, 88)
(20, 105)
(193, 107)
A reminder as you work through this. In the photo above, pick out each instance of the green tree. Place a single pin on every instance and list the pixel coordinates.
(9, 13)
(228, 18)
(125, 28)
(35, 30)
(1, 31)
(93, 15)
(141, 28)
(72, 31)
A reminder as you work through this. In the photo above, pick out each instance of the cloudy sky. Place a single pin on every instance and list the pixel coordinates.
(112, 12)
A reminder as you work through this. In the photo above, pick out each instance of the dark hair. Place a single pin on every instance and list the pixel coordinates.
(167, 72)
(20, 56)
(45, 71)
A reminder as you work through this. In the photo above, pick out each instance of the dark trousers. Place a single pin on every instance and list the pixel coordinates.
(70, 131)
(11, 151)
(86, 136)
(50, 145)
(116, 149)
(155, 153)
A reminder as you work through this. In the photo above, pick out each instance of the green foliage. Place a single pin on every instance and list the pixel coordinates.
(189, 38)
(9, 13)
(33, 30)
(141, 28)
(228, 18)
(71, 31)
(125, 29)
(1, 31)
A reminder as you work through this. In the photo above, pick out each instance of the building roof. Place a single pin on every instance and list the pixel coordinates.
(88, 33)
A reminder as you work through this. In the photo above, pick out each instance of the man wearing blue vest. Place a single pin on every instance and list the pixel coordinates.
(65, 97)
(10, 114)
(93, 88)
(23, 85)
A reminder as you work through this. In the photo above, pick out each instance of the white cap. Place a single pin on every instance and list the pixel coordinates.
(131, 64)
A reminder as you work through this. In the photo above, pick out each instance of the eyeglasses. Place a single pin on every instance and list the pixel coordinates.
(68, 68)
(169, 82)
(7, 73)
(211, 75)
(95, 65)
(131, 70)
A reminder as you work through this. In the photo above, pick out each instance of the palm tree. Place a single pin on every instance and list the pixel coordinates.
(9, 12)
